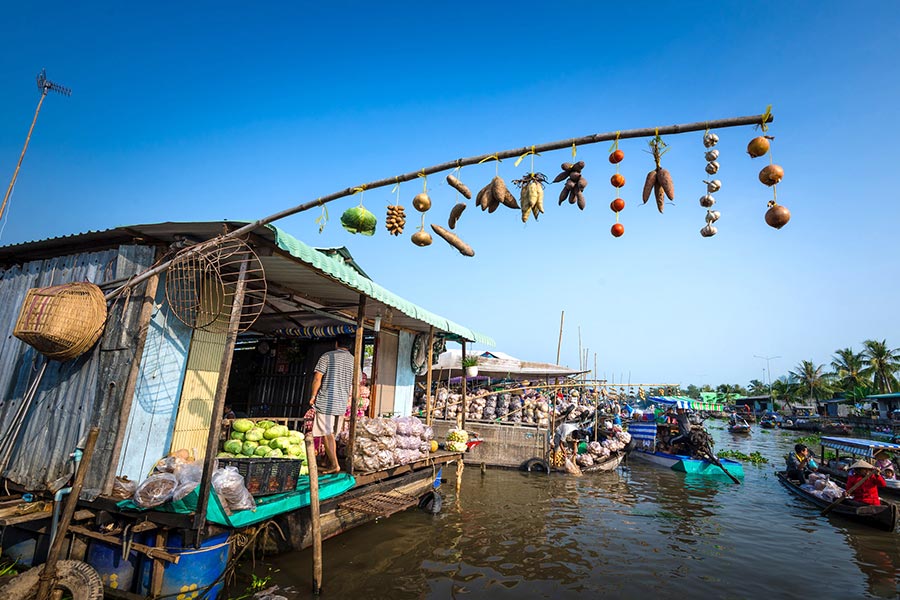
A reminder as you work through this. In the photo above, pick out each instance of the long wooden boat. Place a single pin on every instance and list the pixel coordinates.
(768, 423)
(609, 464)
(883, 516)
(739, 428)
(859, 448)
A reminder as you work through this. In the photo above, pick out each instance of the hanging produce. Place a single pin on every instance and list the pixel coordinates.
(658, 180)
(494, 194)
(421, 202)
(615, 157)
(421, 238)
(396, 219)
(452, 239)
(776, 216)
(459, 186)
(359, 220)
(712, 167)
(531, 198)
(455, 213)
(573, 189)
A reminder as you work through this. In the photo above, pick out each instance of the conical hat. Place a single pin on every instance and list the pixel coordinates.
(861, 464)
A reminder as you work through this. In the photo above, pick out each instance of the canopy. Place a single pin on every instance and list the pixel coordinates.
(686, 402)
(499, 365)
(859, 446)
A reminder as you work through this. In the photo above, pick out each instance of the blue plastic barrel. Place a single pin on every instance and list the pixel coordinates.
(116, 573)
(197, 568)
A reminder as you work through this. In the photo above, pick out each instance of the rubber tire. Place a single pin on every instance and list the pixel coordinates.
(432, 502)
(77, 578)
(536, 465)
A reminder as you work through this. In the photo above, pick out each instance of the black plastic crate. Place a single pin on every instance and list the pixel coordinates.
(264, 476)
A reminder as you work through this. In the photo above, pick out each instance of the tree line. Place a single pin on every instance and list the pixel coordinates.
(852, 375)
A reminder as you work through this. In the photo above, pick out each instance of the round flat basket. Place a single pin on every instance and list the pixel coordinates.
(63, 321)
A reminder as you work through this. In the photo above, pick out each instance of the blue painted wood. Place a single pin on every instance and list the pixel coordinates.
(406, 379)
(157, 391)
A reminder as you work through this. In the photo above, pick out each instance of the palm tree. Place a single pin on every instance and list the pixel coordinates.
(882, 365)
(758, 388)
(848, 368)
(784, 390)
(812, 379)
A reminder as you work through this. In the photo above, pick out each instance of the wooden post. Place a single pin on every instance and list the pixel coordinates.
(562, 319)
(428, 402)
(215, 425)
(156, 577)
(314, 514)
(357, 369)
(462, 379)
(131, 382)
(49, 573)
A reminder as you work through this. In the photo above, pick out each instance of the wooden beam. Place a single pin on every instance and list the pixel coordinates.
(462, 379)
(357, 369)
(131, 382)
(428, 402)
(154, 553)
(212, 440)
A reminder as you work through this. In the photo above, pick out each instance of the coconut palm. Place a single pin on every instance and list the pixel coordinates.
(758, 388)
(848, 368)
(812, 379)
(882, 366)
(784, 391)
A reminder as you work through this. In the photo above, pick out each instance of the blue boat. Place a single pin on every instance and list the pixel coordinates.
(644, 435)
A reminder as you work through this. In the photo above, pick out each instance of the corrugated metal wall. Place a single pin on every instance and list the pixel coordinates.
(200, 380)
(151, 423)
(75, 394)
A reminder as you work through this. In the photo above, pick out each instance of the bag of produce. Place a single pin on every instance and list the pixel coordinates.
(155, 490)
(229, 486)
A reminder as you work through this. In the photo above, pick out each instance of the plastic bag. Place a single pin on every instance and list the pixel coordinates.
(155, 490)
(123, 488)
(229, 485)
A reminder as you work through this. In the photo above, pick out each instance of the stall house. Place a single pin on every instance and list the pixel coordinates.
(150, 382)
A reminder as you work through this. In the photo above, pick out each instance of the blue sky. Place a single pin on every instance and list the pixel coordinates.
(207, 111)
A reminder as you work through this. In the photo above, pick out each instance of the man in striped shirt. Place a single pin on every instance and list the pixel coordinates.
(331, 387)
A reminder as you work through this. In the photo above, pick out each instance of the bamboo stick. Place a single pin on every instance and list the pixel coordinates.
(357, 369)
(464, 381)
(562, 318)
(473, 160)
(314, 514)
(428, 402)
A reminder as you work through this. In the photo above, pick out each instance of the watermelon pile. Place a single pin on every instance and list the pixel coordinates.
(263, 439)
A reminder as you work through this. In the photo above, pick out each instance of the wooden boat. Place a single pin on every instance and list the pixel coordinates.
(740, 428)
(644, 435)
(801, 424)
(883, 516)
(838, 468)
(610, 464)
(837, 428)
(768, 422)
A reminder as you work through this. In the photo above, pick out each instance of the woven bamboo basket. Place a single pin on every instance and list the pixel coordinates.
(63, 321)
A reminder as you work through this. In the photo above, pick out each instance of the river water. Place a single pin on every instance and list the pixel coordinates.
(639, 532)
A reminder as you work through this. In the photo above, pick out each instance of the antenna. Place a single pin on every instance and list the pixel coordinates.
(45, 85)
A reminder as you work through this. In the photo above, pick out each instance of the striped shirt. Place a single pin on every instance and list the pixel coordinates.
(336, 368)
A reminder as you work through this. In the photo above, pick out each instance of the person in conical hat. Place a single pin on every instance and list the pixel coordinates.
(867, 492)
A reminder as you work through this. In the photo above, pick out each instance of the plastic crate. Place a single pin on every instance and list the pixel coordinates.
(264, 476)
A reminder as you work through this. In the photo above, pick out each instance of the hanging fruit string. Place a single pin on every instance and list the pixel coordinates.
(573, 148)
(322, 219)
(493, 157)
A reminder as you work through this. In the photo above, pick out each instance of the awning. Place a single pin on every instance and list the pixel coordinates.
(686, 402)
(859, 446)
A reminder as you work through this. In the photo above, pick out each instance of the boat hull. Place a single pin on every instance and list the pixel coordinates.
(686, 464)
(610, 464)
(882, 517)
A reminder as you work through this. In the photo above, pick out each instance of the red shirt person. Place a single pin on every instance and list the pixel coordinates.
(867, 493)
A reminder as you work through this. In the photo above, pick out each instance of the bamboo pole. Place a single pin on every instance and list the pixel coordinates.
(473, 160)
(428, 402)
(218, 408)
(463, 378)
(48, 575)
(357, 369)
(315, 522)
(562, 319)
(12, 182)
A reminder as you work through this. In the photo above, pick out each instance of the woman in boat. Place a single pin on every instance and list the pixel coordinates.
(883, 462)
(867, 493)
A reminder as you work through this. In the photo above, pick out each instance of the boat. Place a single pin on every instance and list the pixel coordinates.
(853, 448)
(610, 464)
(801, 424)
(837, 428)
(768, 422)
(740, 427)
(883, 516)
(645, 434)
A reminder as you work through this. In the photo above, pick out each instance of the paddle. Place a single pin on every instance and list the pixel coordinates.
(715, 460)
(850, 491)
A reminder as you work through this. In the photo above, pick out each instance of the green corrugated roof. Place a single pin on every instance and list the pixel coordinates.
(350, 277)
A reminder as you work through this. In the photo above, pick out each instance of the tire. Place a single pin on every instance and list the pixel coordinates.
(432, 502)
(538, 465)
(77, 578)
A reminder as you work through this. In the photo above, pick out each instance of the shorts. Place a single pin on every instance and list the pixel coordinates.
(327, 424)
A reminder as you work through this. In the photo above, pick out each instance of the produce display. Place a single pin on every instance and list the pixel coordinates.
(453, 240)
(573, 189)
(263, 439)
(616, 156)
(707, 201)
(659, 180)
(383, 443)
(494, 194)
(456, 440)
(455, 213)
(358, 219)
(459, 186)
(597, 452)
(777, 215)
(532, 194)
(396, 219)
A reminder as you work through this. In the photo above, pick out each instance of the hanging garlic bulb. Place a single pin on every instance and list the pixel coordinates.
(712, 216)
(707, 201)
(710, 139)
(711, 155)
(713, 186)
(708, 231)
(712, 168)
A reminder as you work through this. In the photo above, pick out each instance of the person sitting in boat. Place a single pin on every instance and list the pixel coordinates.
(684, 427)
(883, 462)
(867, 492)
(798, 463)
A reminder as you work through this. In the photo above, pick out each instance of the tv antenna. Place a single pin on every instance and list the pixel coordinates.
(45, 85)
